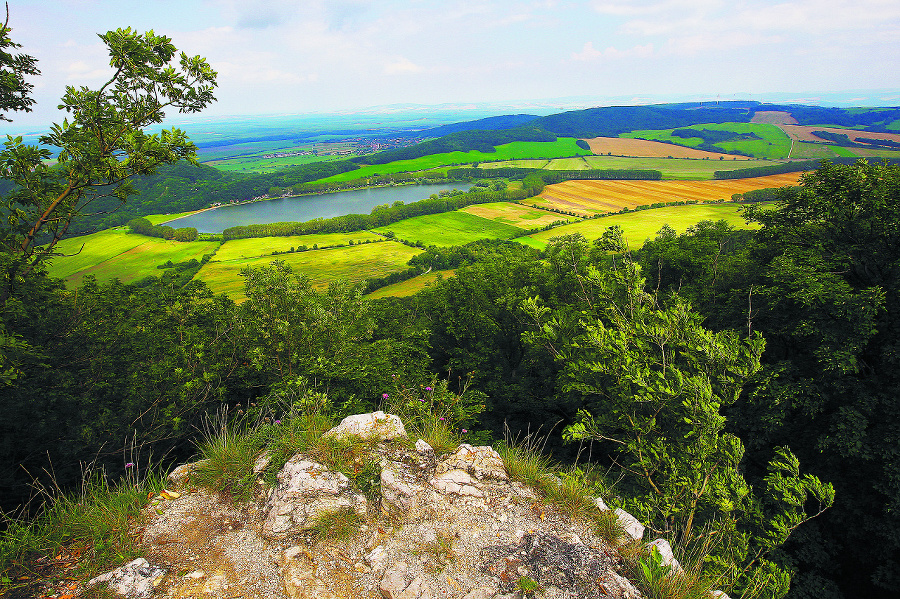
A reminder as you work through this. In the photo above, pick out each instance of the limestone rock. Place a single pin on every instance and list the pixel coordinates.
(376, 426)
(424, 449)
(306, 492)
(665, 552)
(377, 558)
(719, 595)
(456, 482)
(619, 586)
(400, 489)
(300, 580)
(481, 462)
(394, 581)
(262, 462)
(601, 505)
(631, 525)
(135, 580)
(550, 561)
(179, 476)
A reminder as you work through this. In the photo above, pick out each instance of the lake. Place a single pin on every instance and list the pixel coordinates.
(304, 208)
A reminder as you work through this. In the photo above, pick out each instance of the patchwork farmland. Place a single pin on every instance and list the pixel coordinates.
(586, 198)
(623, 146)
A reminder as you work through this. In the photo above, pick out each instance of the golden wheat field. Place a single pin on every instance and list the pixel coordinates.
(590, 197)
(621, 146)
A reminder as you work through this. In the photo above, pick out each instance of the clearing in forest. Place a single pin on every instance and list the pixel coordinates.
(516, 215)
(411, 286)
(643, 225)
(623, 146)
(449, 228)
(354, 264)
(586, 198)
(116, 254)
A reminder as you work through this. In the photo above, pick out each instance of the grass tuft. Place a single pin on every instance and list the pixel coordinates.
(337, 525)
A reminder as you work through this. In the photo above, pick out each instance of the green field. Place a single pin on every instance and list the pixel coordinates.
(671, 168)
(256, 247)
(774, 143)
(450, 228)
(354, 264)
(562, 147)
(410, 286)
(115, 254)
(643, 225)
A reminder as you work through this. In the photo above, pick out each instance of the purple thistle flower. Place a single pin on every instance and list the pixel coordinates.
(428, 388)
(441, 418)
(384, 396)
(278, 422)
(464, 430)
(129, 465)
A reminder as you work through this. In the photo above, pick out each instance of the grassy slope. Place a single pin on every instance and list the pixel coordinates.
(410, 286)
(239, 249)
(450, 228)
(774, 143)
(113, 253)
(354, 264)
(643, 225)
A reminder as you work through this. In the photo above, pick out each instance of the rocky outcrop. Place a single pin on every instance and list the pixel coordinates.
(306, 492)
(451, 526)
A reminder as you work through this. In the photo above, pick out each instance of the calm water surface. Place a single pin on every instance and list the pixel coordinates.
(299, 209)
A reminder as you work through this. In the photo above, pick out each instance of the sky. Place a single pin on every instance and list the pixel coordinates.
(329, 56)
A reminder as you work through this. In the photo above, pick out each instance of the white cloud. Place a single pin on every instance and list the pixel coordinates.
(402, 66)
(588, 52)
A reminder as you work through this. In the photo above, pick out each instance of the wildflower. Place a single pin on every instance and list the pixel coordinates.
(129, 465)
(278, 422)
(442, 418)
(428, 388)
(465, 430)
(384, 396)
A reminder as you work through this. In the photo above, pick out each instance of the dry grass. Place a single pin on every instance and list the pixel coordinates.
(590, 197)
(620, 146)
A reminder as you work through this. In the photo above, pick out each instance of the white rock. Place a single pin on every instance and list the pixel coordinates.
(424, 448)
(665, 552)
(719, 595)
(377, 558)
(416, 589)
(135, 580)
(262, 462)
(300, 580)
(621, 586)
(400, 490)
(481, 462)
(306, 492)
(632, 527)
(601, 505)
(394, 581)
(180, 474)
(456, 482)
(374, 425)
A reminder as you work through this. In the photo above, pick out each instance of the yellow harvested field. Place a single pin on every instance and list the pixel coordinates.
(590, 197)
(621, 146)
(516, 215)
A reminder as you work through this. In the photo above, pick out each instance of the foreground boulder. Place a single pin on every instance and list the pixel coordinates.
(307, 492)
(375, 426)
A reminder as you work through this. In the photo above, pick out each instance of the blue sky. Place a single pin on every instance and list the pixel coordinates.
(280, 56)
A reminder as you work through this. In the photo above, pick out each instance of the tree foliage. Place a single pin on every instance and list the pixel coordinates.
(101, 146)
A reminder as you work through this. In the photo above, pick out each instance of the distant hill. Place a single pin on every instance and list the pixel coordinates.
(491, 123)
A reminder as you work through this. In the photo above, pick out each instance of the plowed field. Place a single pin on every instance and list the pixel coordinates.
(805, 133)
(588, 197)
(621, 146)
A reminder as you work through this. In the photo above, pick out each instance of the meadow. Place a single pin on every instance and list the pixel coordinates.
(774, 142)
(586, 197)
(643, 225)
(449, 228)
(411, 286)
(353, 263)
(241, 249)
(113, 253)
(516, 215)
